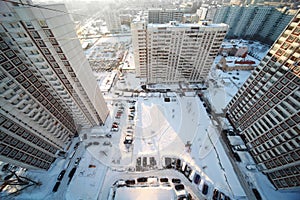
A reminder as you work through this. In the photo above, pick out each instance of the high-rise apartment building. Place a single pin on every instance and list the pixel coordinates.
(169, 53)
(162, 16)
(207, 13)
(47, 89)
(266, 110)
(112, 19)
(264, 23)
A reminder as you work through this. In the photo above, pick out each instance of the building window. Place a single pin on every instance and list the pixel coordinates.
(43, 23)
(14, 72)
(48, 33)
(53, 41)
(16, 61)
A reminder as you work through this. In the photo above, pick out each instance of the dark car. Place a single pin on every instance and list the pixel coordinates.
(197, 179)
(168, 164)
(142, 180)
(178, 164)
(256, 193)
(179, 187)
(61, 175)
(205, 189)
(164, 180)
(55, 188)
(216, 194)
(130, 182)
(187, 171)
(76, 145)
(176, 180)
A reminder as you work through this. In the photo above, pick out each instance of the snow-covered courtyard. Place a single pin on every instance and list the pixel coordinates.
(167, 138)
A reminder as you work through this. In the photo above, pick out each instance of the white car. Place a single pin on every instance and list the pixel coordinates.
(115, 129)
(240, 147)
(251, 167)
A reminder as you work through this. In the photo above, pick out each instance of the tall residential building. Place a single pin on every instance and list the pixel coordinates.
(207, 13)
(162, 16)
(263, 23)
(257, 22)
(113, 21)
(267, 110)
(139, 38)
(47, 89)
(168, 53)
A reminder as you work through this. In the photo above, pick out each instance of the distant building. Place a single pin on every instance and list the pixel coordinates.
(168, 53)
(206, 12)
(190, 18)
(266, 110)
(113, 21)
(47, 89)
(233, 50)
(162, 16)
(263, 23)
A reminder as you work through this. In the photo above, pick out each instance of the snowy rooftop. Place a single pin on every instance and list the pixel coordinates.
(179, 25)
(146, 193)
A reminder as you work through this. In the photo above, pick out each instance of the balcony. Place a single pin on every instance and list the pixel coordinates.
(26, 109)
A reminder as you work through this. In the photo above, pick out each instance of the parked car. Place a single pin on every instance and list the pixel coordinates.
(205, 189)
(128, 139)
(251, 167)
(76, 145)
(107, 143)
(114, 129)
(129, 134)
(178, 164)
(164, 180)
(55, 188)
(61, 175)
(183, 167)
(130, 118)
(240, 147)
(176, 180)
(216, 194)
(130, 182)
(77, 161)
(179, 187)
(187, 171)
(142, 179)
(167, 163)
(197, 179)
(191, 176)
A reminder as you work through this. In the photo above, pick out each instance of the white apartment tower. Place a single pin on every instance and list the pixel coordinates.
(266, 110)
(47, 89)
(113, 21)
(169, 53)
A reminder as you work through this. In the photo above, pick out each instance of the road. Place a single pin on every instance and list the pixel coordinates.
(61, 192)
(236, 168)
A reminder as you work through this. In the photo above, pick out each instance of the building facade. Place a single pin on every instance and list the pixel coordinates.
(263, 23)
(169, 53)
(113, 21)
(47, 89)
(266, 110)
(162, 16)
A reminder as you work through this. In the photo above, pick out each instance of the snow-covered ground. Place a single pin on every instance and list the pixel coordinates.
(180, 129)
